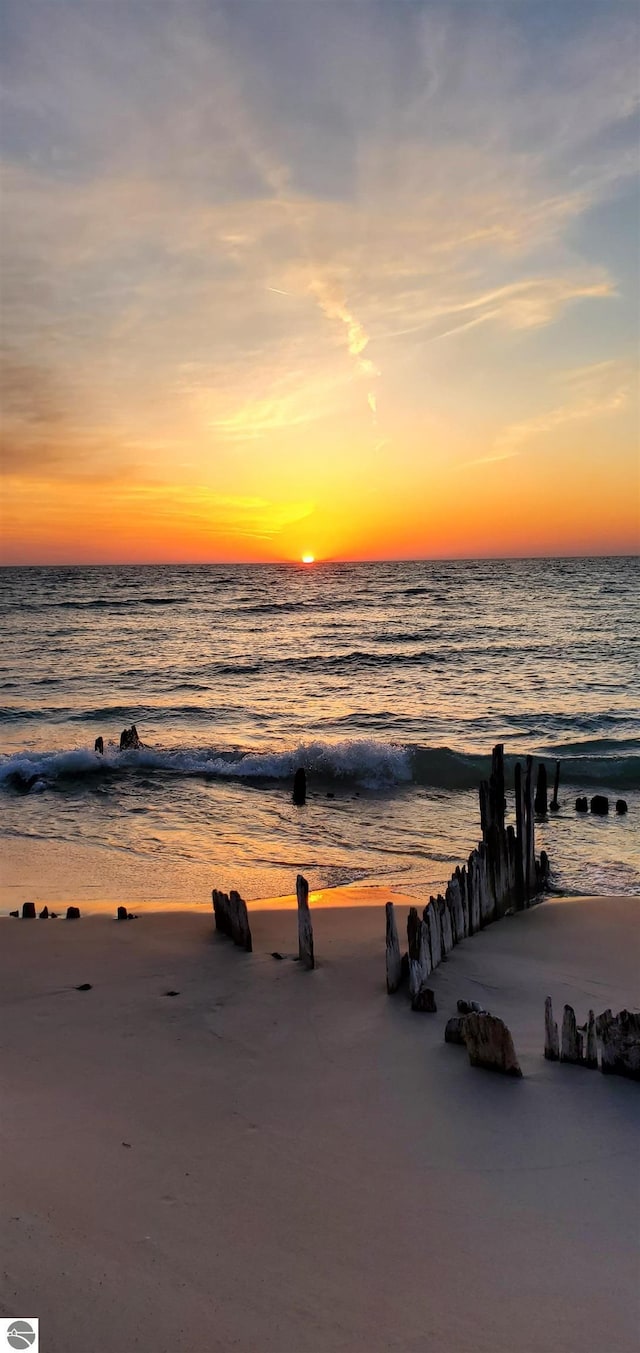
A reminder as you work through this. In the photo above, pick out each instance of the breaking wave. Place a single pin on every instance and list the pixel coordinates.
(371, 763)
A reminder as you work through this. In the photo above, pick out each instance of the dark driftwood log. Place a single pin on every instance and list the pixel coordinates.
(489, 1044)
(540, 801)
(300, 787)
(571, 1044)
(305, 928)
(394, 961)
(551, 1044)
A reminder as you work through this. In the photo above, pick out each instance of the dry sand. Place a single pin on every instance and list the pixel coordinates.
(276, 1161)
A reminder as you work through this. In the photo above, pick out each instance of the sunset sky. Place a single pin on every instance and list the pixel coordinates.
(358, 280)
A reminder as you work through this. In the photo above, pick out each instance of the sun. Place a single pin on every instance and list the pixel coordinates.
(308, 559)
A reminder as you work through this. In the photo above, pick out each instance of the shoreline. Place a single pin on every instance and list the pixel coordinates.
(278, 1159)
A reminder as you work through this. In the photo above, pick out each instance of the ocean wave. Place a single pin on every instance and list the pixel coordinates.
(371, 763)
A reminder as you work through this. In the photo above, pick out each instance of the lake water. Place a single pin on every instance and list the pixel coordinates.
(388, 682)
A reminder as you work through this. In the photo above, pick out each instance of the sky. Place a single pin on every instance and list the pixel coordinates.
(351, 278)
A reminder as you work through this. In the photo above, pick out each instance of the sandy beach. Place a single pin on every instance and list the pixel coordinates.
(276, 1160)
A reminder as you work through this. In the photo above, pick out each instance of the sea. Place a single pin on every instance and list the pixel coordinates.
(388, 682)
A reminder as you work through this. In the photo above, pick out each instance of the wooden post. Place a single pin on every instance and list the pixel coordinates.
(540, 802)
(529, 852)
(554, 805)
(305, 928)
(591, 1049)
(551, 1049)
(520, 835)
(394, 961)
(432, 922)
(571, 1045)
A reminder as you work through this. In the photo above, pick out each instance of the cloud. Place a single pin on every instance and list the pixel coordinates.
(592, 392)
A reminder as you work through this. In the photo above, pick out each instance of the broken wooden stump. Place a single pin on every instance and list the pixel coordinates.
(621, 806)
(73, 913)
(424, 1000)
(28, 911)
(305, 928)
(129, 740)
(431, 918)
(470, 1008)
(394, 961)
(489, 1044)
(620, 1035)
(599, 805)
(232, 918)
(122, 914)
(571, 1043)
(554, 805)
(591, 1046)
(551, 1041)
(582, 804)
(454, 1027)
(300, 787)
(98, 746)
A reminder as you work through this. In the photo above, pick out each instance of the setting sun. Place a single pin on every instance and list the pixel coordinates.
(308, 559)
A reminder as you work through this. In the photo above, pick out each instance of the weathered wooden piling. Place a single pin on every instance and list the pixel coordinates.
(591, 1046)
(554, 805)
(540, 801)
(300, 787)
(620, 1035)
(551, 1045)
(232, 918)
(394, 961)
(571, 1044)
(305, 928)
(98, 746)
(489, 1044)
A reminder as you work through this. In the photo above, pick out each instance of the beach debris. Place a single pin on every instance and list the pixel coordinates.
(599, 805)
(551, 1043)
(621, 806)
(84, 986)
(172, 993)
(582, 804)
(454, 1029)
(540, 801)
(571, 1041)
(620, 1035)
(98, 746)
(44, 914)
(424, 1000)
(470, 1008)
(129, 740)
(15, 913)
(305, 928)
(275, 954)
(28, 911)
(122, 914)
(73, 913)
(53, 915)
(554, 805)
(232, 918)
(394, 961)
(300, 787)
(128, 1145)
(489, 1044)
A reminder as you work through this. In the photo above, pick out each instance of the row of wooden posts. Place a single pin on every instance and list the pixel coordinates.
(502, 873)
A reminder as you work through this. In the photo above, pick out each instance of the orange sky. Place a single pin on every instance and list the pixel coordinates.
(367, 293)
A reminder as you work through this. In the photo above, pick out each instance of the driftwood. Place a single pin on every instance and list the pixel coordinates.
(232, 918)
(305, 928)
(394, 961)
(489, 1044)
(551, 1045)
